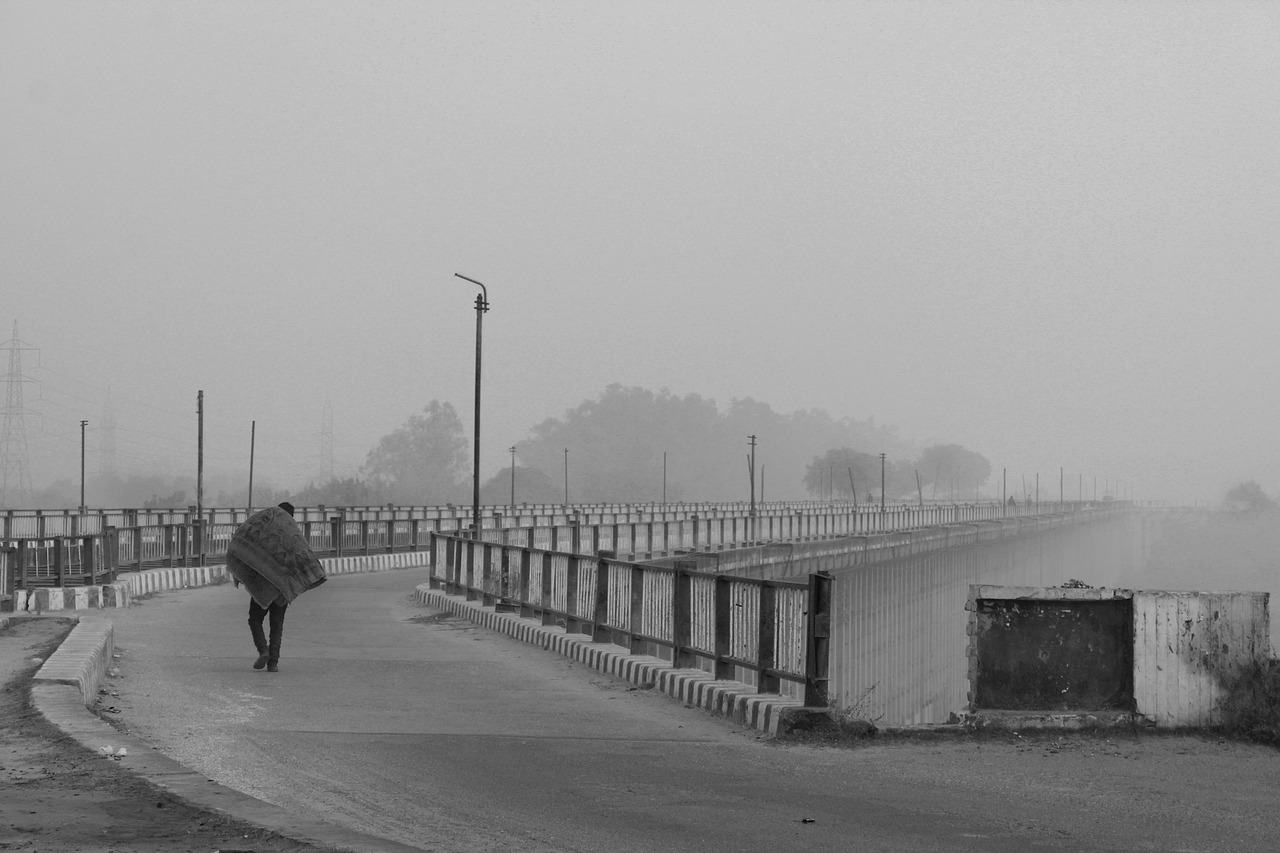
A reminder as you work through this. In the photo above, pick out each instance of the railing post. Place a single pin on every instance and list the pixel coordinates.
(526, 608)
(167, 533)
(817, 641)
(335, 534)
(544, 598)
(600, 618)
(60, 559)
(722, 670)
(571, 595)
(486, 573)
(470, 586)
(637, 609)
(88, 565)
(364, 536)
(681, 623)
(767, 680)
(111, 548)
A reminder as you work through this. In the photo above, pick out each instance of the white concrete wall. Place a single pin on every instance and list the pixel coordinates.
(1190, 649)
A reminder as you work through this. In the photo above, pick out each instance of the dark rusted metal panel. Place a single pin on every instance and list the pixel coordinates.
(766, 679)
(1047, 655)
(723, 667)
(600, 617)
(817, 646)
(680, 615)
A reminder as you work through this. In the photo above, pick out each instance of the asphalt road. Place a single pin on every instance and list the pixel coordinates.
(397, 721)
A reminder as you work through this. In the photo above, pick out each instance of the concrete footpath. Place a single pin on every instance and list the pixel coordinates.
(395, 726)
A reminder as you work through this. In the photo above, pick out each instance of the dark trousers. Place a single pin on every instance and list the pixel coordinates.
(256, 614)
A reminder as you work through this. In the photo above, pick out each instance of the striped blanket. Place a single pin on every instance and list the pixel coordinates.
(270, 556)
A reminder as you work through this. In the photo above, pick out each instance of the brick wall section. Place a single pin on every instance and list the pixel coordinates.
(766, 712)
(82, 660)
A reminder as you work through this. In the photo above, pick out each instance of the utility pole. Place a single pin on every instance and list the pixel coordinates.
(83, 424)
(199, 455)
(200, 478)
(882, 482)
(513, 479)
(566, 476)
(751, 473)
(253, 430)
(664, 478)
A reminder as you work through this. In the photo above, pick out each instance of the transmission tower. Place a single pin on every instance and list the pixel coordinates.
(107, 440)
(15, 467)
(326, 443)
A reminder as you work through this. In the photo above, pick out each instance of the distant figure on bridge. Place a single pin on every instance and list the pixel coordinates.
(271, 557)
(1011, 501)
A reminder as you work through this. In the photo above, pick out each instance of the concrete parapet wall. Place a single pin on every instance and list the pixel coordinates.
(1184, 655)
(132, 584)
(82, 660)
(765, 712)
(789, 559)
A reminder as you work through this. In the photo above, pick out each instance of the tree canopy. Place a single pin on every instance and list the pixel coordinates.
(1249, 496)
(617, 443)
(422, 462)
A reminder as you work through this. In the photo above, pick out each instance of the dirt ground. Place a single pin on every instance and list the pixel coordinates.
(61, 798)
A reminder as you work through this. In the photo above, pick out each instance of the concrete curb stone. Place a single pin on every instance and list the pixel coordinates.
(769, 713)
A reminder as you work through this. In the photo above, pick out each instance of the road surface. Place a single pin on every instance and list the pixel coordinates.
(402, 722)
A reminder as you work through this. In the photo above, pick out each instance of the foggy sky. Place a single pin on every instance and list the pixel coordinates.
(1045, 231)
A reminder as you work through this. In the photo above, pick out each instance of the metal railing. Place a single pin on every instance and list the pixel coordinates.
(820, 517)
(770, 634)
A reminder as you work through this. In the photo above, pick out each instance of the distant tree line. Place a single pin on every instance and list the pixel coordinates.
(627, 444)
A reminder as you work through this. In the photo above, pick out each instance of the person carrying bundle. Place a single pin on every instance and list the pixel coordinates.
(269, 555)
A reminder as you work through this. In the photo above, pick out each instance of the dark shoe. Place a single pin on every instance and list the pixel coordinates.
(261, 661)
(271, 667)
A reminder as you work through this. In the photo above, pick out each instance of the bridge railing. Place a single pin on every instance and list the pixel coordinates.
(645, 532)
(770, 634)
(818, 517)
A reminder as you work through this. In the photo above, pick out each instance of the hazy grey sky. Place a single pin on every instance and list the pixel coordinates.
(1046, 231)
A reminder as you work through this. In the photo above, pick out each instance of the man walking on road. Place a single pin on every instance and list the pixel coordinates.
(271, 557)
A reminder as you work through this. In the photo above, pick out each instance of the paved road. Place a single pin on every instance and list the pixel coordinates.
(397, 721)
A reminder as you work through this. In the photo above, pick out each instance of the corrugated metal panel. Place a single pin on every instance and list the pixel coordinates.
(791, 631)
(658, 589)
(702, 614)
(1190, 648)
(560, 582)
(744, 620)
(619, 596)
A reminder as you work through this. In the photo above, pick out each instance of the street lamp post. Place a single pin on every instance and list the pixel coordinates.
(83, 424)
(482, 305)
(566, 476)
(513, 479)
